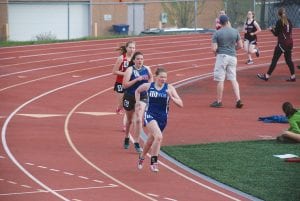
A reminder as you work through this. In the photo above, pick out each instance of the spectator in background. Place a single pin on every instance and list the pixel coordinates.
(225, 41)
(218, 25)
(293, 115)
(283, 32)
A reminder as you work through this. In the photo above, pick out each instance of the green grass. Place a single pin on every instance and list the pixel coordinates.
(248, 166)
(35, 42)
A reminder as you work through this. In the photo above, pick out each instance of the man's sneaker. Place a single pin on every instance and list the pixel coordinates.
(239, 104)
(257, 52)
(249, 61)
(126, 143)
(154, 167)
(138, 148)
(262, 77)
(140, 162)
(216, 104)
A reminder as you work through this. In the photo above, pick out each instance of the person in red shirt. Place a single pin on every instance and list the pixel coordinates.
(218, 25)
(119, 69)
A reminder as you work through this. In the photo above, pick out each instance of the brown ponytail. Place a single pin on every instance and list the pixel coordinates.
(123, 49)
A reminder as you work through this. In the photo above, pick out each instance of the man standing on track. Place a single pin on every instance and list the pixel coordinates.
(225, 42)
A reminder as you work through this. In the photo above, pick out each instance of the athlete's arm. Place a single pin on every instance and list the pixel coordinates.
(174, 96)
(116, 70)
(142, 88)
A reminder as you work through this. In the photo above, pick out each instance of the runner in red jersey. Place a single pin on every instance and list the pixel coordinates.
(119, 69)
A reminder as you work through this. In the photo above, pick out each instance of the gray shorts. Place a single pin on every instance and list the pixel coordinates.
(225, 67)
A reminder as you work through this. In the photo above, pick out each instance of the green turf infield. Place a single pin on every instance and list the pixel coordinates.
(248, 166)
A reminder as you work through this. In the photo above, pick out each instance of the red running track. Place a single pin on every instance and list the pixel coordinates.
(62, 141)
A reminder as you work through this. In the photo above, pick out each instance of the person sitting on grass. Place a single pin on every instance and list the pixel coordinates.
(293, 115)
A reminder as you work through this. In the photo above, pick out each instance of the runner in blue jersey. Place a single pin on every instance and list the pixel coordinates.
(135, 75)
(156, 114)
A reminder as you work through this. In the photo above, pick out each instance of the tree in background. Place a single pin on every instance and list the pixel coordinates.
(237, 11)
(182, 13)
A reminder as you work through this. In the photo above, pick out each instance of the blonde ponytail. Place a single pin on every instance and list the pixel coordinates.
(283, 17)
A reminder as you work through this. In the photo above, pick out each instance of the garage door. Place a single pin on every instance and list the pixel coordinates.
(59, 20)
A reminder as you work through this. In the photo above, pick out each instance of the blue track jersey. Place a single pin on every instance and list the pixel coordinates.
(158, 101)
(136, 73)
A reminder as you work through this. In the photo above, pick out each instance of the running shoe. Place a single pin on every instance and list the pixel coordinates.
(216, 104)
(119, 111)
(262, 77)
(239, 104)
(249, 62)
(154, 167)
(291, 79)
(126, 143)
(140, 162)
(138, 148)
(257, 52)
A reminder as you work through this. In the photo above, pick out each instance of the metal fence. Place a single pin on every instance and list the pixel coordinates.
(38, 20)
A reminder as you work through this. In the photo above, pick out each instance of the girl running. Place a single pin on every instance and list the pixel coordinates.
(119, 69)
(135, 75)
(251, 29)
(156, 115)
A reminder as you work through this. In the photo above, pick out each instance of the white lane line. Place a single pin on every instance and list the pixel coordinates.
(67, 134)
(58, 190)
(97, 113)
(42, 68)
(3, 134)
(2, 157)
(68, 173)
(169, 199)
(50, 76)
(40, 115)
(54, 170)
(153, 195)
(26, 186)
(9, 118)
(98, 181)
(12, 182)
(166, 166)
(83, 177)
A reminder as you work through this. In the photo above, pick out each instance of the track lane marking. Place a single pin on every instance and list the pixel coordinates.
(185, 81)
(9, 118)
(59, 190)
(3, 133)
(67, 134)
